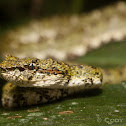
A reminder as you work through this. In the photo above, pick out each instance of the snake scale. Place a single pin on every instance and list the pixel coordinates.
(55, 78)
(36, 81)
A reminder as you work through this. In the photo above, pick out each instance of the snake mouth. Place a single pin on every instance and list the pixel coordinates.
(41, 78)
(11, 69)
(2, 70)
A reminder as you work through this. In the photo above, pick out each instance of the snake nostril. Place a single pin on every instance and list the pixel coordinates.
(91, 81)
(96, 73)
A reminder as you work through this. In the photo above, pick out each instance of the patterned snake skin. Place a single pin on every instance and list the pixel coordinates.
(38, 81)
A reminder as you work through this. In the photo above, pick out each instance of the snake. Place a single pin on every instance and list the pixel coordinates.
(52, 76)
(39, 80)
(33, 81)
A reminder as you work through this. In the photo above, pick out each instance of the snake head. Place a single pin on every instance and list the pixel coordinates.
(32, 72)
(13, 68)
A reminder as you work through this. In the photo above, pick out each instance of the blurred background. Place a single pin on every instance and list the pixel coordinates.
(20, 10)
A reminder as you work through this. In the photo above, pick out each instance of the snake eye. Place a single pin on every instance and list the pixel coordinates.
(32, 66)
(96, 73)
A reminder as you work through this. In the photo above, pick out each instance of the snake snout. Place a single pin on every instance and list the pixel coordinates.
(97, 82)
(97, 76)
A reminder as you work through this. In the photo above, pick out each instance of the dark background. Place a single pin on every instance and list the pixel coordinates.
(12, 11)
